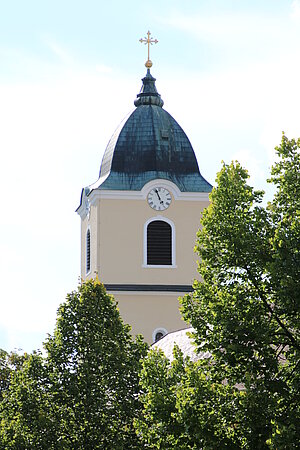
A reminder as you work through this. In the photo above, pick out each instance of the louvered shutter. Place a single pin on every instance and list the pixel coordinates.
(88, 251)
(159, 243)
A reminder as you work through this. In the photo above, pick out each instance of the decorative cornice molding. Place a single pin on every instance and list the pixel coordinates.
(142, 195)
(97, 194)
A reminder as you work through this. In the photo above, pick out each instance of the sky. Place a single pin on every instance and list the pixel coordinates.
(227, 70)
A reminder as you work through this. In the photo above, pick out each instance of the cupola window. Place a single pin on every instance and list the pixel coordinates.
(88, 251)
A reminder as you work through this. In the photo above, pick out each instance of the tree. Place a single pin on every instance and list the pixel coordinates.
(9, 363)
(26, 410)
(246, 310)
(183, 408)
(83, 394)
(246, 313)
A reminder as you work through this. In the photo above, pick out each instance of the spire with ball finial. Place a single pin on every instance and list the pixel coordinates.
(149, 41)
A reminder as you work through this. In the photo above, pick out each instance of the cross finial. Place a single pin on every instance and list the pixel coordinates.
(149, 41)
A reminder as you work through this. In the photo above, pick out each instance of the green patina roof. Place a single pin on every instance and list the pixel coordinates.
(148, 145)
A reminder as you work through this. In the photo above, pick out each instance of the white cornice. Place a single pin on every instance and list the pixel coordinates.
(141, 195)
(97, 194)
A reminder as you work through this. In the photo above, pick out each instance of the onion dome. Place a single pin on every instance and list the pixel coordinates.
(149, 144)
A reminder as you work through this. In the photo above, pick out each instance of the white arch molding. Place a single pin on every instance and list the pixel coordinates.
(163, 183)
(173, 265)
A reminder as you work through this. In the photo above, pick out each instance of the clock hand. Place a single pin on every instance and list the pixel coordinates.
(158, 195)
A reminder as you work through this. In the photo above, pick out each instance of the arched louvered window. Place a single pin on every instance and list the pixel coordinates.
(88, 251)
(159, 243)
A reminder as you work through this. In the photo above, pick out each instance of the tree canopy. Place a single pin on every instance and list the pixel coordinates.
(82, 393)
(245, 310)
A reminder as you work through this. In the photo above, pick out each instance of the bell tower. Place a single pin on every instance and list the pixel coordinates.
(139, 220)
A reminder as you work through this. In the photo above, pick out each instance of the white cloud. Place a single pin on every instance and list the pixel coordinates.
(295, 10)
(239, 37)
(53, 135)
(226, 27)
(212, 27)
(62, 54)
(102, 68)
(255, 166)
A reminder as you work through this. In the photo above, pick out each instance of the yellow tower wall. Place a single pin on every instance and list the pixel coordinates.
(117, 227)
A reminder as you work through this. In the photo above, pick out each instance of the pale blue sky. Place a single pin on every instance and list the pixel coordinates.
(228, 72)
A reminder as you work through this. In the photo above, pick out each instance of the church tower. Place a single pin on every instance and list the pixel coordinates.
(139, 220)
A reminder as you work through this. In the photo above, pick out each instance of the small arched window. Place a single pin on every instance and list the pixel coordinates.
(159, 243)
(158, 333)
(88, 251)
(158, 336)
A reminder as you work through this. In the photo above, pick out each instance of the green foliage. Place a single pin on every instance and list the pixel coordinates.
(183, 408)
(9, 363)
(245, 311)
(26, 411)
(83, 394)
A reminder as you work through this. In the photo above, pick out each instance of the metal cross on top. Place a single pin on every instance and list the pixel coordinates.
(149, 41)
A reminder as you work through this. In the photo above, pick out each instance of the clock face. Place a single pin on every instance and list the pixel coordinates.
(159, 198)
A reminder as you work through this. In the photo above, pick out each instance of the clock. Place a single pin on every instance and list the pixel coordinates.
(159, 198)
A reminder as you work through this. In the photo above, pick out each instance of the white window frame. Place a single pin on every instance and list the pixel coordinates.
(173, 249)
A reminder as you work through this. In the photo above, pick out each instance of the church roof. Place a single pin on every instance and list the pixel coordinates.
(149, 144)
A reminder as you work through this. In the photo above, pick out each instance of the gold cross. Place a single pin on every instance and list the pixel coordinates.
(149, 41)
